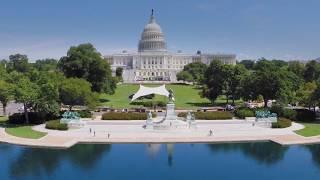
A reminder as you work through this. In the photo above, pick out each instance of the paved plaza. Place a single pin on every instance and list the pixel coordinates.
(97, 131)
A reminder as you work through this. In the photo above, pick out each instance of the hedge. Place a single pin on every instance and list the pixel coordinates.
(282, 123)
(149, 103)
(305, 115)
(85, 113)
(125, 116)
(56, 125)
(242, 113)
(215, 115)
(34, 118)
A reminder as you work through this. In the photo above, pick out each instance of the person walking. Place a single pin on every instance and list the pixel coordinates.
(210, 132)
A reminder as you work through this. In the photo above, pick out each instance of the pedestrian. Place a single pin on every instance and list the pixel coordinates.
(108, 135)
(94, 133)
(210, 132)
(90, 130)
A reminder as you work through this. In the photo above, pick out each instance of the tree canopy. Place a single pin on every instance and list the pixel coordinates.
(19, 63)
(214, 80)
(75, 91)
(84, 61)
(193, 72)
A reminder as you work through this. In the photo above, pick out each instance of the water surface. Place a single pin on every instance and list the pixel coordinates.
(261, 161)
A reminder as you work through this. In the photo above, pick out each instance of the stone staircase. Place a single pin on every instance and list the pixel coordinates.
(128, 76)
(1, 109)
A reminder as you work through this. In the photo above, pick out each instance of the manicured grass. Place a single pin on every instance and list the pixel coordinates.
(3, 118)
(186, 96)
(24, 132)
(311, 129)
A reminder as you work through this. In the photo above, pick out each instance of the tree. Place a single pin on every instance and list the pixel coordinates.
(19, 63)
(312, 71)
(84, 61)
(5, 94)
(291, 84)
(185, 76)
(234, 76)
(279, 63)
(26, 92)
(268, 84)
(119, 71)
(3, 73)
(46, 65)
(248, 64)
(296, 67)
(315, 97)
(306, 94)
(265, 65)
(265, 80)
(214, 80)
(196, 70)
(48, 102)
(74, 91)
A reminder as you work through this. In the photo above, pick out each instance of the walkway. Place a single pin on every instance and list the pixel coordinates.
(132, 132)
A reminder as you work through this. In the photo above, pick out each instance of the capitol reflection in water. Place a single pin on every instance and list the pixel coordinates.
(173, 161)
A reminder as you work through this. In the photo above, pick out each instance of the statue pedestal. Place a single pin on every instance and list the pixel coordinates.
(149, 124)
(170, 114)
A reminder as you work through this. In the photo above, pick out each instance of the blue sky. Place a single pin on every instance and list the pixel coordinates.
(283, 29)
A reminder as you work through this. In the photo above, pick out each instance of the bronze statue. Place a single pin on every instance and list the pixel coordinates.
(171, 95)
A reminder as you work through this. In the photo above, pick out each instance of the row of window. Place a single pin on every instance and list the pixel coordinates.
(152, 73)
(159, 67)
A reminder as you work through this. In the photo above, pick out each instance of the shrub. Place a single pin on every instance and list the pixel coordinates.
(282, 123)
(289, 114)
(215, 115)
(305, 115)
(284, 112)
(182, 114)
(56, 125)
(125, 116)
(278, 109)
(85, 114)
(242, 113)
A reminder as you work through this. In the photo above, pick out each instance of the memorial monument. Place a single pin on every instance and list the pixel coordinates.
(72, 119)
(170, 120)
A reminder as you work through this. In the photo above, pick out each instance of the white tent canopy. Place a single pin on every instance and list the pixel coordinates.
(143, 91)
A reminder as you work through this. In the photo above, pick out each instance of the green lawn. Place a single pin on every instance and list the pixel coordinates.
(3, 118)
(24, 132)
(311, 129)
(186, 96)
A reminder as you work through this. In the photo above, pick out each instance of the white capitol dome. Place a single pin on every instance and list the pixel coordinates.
(152, 38)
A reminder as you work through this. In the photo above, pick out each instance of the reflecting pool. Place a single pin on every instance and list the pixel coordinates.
(264, 160)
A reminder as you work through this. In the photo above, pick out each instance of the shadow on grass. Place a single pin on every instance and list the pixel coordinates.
(137, 103)
(102, 100)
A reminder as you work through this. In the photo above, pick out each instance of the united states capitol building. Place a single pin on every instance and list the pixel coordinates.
(153, 62)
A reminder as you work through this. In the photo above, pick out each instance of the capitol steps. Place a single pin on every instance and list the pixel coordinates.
(128, 76)
(1, 109)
